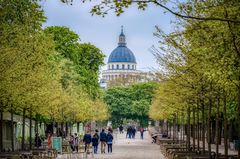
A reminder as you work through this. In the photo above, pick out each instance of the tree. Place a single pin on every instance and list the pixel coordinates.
(130, 102)
(86, 58)
(103, 7)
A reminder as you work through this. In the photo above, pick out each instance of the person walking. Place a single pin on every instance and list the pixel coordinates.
(133, 132)
(49, 140)
(71, 142)
(130, 132)
(121, 129)
(103, 140)
(141, 132)
(38, 141)
(76, 142)
(87, 139)
(109, 141)
(95, 143)
(110, 129)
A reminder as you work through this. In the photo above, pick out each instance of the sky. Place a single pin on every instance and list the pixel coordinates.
(139, 27)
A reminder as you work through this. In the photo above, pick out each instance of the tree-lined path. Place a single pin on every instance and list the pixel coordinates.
(133, 148)
(125, 148)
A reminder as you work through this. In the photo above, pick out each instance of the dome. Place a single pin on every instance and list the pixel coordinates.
(122, 54)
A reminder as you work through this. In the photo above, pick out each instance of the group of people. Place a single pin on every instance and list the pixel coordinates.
(131, 132)
(103, 138)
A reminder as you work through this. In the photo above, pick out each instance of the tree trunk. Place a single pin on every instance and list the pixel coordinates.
(217, 127)
(209, 127)
(188, 128)
(1, 131)
(193, 129)
(174, 127)
(36, 130)
(12, 131)
(225, 126)
(23, 129)
(198, 129)
(238, 116)
(203, 126)
(30, 130)
(177, 135)
(78, 127)
(167, 127)
(66, 129)
(70, 127)
(63, 133)
(182, 126)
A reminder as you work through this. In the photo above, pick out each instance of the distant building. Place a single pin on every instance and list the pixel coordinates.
(122, 66)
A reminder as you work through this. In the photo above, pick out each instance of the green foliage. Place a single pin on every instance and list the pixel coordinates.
(42, 73)
(86, 59)
(130, 102)
(200, 61)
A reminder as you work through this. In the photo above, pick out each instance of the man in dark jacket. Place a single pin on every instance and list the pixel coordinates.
(103, 139)
(87, 139)
(109, 141)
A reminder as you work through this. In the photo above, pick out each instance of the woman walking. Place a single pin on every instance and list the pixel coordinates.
(109, 142)
(95, 143)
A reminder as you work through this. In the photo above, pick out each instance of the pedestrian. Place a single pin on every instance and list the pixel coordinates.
(103, 140)
(128, 132)
(49, 140)
(76, 142)
(71, 143)
(96, 132)
(109, 141)
(95, 143)
(133, 132)
(87, 139)
(38, 141)
(110, 129)
(121, 129)
(141, 132)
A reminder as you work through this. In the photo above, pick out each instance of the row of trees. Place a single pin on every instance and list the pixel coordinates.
(130, 102)
(200, 64)
(45, 73)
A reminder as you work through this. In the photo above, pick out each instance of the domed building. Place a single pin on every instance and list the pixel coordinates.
(122, 65)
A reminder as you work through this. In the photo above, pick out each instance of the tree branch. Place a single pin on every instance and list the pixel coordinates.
(187, 16)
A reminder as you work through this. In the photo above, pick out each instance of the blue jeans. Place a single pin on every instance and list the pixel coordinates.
(141, 135)
(95, 148)
(109, 148)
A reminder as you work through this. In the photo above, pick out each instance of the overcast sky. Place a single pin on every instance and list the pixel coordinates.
(139, 27)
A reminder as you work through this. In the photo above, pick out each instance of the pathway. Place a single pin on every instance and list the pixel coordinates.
(124, 148)
(132, 148)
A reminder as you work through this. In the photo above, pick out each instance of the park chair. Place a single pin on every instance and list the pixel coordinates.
(81, 151)
(90, 150)
(66, 150)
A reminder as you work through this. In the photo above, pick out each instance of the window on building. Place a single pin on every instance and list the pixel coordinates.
(112, 67)
(128, 67)
(109, 67)
(117, 66)
(133, 67)
(123, 66)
